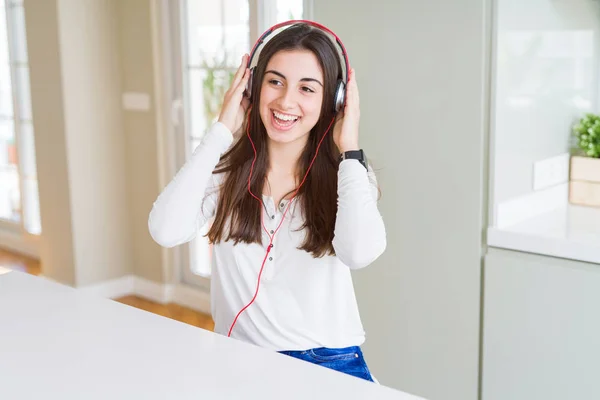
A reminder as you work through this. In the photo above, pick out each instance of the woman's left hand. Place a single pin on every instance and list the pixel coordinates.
(345, 131)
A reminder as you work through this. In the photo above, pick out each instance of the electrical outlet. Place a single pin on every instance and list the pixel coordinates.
(551, 171)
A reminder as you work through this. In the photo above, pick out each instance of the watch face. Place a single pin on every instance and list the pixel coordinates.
(359, 155)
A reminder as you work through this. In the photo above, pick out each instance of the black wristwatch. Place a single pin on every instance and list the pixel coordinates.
(355, 155)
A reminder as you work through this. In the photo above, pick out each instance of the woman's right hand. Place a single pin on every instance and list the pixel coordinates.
(235, 103)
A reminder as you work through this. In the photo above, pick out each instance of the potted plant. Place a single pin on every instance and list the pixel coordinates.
(584, 185)
(219, 75)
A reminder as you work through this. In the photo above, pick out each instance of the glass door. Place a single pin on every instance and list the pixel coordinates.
(19, 201)
(209, 38)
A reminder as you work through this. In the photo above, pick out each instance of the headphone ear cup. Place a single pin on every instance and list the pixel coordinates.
(340, 96)
(249, 84)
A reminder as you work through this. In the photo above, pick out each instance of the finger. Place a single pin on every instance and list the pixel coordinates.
(353, 89)
(245, 104)
(240, 72)
(241, 86)
(352, 80)
(350, 86)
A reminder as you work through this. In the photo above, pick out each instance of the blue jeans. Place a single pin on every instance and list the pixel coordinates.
(348, 360)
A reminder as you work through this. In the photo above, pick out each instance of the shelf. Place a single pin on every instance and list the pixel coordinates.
(570, 231)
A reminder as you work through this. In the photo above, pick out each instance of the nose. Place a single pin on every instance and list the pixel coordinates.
(287, 101)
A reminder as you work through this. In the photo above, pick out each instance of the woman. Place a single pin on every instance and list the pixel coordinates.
(289, 219)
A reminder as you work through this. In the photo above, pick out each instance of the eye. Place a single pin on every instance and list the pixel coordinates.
(275, 82)
(307, 89)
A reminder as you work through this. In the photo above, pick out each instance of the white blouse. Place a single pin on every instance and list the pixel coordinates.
(303, 302)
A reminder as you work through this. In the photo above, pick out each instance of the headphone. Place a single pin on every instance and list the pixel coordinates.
(339, 99)
(340, 90)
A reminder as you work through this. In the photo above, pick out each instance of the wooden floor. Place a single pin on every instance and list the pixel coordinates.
(20, 263)
(171, 310)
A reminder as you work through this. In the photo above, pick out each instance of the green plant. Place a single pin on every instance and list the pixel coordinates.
(218, 78)
(587, 132)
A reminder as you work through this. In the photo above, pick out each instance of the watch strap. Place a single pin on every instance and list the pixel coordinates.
(355, 155)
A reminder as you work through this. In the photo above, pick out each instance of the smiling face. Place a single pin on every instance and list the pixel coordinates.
(291, 95)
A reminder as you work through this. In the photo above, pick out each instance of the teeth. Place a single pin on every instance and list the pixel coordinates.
(284, 117)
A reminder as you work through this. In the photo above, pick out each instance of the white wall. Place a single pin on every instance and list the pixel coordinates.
(420, 68)
(547, 59)
(80, 145)
(542, 328)
(43, 46)
(95, 139)
(97, 164)
(140, 131)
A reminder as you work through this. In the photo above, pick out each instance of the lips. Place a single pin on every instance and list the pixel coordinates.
(282, 121)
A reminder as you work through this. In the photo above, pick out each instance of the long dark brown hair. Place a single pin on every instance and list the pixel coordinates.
(238, 212)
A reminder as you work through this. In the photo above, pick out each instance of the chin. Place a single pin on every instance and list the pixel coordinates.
(284, 137)
(291, 135)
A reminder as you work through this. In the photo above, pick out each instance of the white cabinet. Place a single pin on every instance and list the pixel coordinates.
(541, 328)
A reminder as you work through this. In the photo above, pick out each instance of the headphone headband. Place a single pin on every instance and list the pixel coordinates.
(262, 38)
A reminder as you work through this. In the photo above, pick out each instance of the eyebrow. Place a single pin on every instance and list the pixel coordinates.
(301, 80)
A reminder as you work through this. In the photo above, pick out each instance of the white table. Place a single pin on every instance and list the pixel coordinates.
(58, 343)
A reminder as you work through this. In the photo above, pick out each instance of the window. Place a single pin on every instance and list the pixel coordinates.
(214, 34)
(19, 203)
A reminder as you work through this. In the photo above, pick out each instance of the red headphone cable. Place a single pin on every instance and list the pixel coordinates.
(271, 237)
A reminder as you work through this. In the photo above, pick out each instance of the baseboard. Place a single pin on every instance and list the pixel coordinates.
(113, 288)
(157, 292)
(181, 294)
(189, 296)
(17, 243)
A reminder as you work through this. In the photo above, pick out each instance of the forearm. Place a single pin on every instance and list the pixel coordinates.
(178, 211)
(359, 237)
